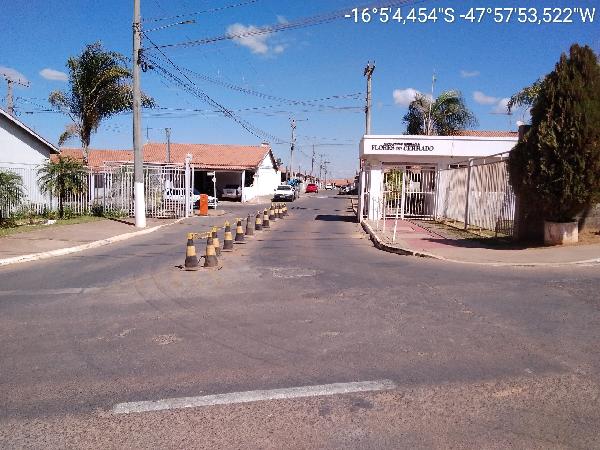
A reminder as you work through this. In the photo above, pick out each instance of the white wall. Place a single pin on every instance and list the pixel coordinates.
(266, 178)
(22, 154)
(382, 148)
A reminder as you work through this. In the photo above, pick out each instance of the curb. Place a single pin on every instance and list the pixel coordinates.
(79, 248)
(409, 252)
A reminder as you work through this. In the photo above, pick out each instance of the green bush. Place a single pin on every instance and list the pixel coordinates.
(556, 168)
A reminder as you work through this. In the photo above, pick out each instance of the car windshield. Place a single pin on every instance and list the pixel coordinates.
(284, 188)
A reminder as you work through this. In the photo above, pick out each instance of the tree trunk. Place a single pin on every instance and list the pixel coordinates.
(60, 205)
(85, 152)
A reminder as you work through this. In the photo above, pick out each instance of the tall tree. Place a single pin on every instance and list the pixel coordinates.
(61, 177)
(445, 115)
(98, 88)
(11, 192)
(557, 165)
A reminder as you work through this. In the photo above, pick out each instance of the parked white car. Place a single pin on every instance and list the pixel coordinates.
(285, 192)
(328, 186)
(232, 191)
(178, 195)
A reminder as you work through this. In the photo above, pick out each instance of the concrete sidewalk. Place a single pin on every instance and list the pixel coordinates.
(56, 240)
(59, 240)
(421, 239)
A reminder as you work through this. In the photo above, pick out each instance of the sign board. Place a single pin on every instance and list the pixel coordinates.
(383, 146)
(214, 179)
(210, 174)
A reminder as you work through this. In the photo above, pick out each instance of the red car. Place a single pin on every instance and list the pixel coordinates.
(312, 188)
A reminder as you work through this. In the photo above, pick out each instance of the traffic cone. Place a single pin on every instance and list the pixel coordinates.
(258, 222)
(266, 221)
(227, 239)
(191, 260)
(272, 216)
(249, 226)
(216, 243)
(239, 233)
(210, 257)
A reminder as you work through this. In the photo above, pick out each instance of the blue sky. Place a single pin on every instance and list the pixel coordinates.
(486, 61)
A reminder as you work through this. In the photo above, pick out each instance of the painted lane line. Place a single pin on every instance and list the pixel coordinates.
(64, 291)
(253, 396)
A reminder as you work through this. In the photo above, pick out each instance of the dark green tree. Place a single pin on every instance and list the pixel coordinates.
(62, 176)
(557, 165)
(98, 88)
(445, 115)
(11, 192)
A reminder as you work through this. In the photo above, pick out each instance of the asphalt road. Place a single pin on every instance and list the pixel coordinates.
(480, 357)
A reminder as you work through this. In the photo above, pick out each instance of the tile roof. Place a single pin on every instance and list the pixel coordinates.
(204, 156)
(485, 133)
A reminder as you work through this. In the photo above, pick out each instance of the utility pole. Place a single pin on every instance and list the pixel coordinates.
(320, 166)
(168, 136)
(9, 98)
(138, 168)
(368, 73)
(10, 106)
(325, 164)
(293, 125)
(312, 161)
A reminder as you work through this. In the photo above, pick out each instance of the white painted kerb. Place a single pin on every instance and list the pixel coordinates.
(253, 396)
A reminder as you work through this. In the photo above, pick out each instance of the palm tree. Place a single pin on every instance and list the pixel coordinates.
(445, 115)
(60, 177)
(11, 192)
(526, 96)
(98, 88)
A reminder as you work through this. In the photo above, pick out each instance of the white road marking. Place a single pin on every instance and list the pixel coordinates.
(253, 396)
(64, 291)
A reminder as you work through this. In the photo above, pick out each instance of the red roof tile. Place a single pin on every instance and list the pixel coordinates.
(205, 156)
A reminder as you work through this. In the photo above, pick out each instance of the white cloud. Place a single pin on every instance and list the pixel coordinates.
(257, 43)
(469, 73)
(54, 75)
(13, 74)
(403, 97)
(501, 106)
(483, 99)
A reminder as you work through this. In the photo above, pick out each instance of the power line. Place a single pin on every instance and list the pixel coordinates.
(197, 13)
(301, 23)
(206, 98)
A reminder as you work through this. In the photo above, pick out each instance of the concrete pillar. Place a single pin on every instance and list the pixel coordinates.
(375, 191)
(242, 185)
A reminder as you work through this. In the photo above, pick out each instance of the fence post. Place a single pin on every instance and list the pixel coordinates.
(403, 196)
(468, 193)
(187, 185)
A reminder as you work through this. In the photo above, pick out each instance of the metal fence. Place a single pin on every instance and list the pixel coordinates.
(477, 196)
(108, 190)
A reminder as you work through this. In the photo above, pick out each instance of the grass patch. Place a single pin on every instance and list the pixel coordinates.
(25, 228)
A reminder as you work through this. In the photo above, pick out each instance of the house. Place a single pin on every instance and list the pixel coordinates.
(252, 168)
(23, 151)
(20, 145)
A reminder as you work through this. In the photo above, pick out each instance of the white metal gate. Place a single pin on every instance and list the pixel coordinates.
(409, 192)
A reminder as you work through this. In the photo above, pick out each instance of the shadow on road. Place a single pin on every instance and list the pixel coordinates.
(335, 218)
